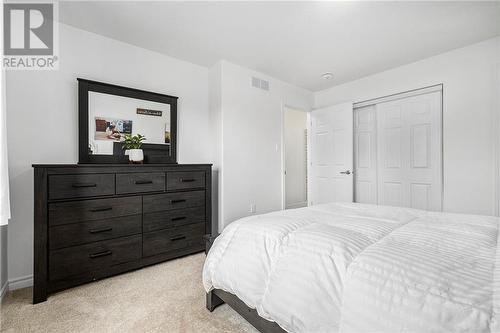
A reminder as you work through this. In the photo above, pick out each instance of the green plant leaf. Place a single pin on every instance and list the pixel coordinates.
(133, 141)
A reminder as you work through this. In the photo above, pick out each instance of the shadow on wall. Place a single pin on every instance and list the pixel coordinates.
(215, 201)
(20, 262)
(3, 258)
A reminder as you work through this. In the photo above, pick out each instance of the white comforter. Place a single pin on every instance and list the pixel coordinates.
(362, 268)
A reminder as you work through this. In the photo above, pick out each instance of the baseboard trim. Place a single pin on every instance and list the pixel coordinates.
(21, 282)
(3, 290)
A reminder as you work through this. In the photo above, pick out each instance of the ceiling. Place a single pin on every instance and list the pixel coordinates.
(293, 41)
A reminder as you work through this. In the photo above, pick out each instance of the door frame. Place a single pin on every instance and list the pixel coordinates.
(496, 145)
(410, 93)
(285, 106)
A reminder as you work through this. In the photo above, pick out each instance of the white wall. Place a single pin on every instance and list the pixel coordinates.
(249, 153)
(215, 107)
(470, 116)
(43, 127)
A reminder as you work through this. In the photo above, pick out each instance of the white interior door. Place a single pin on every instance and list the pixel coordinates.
(332, 154)
(409, 152)
(365, 155)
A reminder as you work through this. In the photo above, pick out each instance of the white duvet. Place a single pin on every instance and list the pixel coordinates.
(345, 267)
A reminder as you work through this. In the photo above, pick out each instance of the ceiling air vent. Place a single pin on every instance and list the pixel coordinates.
(255, 82)
(264, 85)
(259, 83)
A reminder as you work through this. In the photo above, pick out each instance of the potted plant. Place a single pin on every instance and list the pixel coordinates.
(132, 145)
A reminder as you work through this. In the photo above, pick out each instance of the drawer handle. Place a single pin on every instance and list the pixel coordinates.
(142, 182)
(177, 201)
(176, 238)
(100, 254)
(78, 185)
(188, 180)
(96, 231)
(178, 218)
(101, 209)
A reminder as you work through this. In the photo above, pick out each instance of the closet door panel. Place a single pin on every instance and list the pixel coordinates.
(365, 155)
(392, 155)
(409, 152)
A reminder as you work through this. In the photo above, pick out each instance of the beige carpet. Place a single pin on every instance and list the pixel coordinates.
(167, 297)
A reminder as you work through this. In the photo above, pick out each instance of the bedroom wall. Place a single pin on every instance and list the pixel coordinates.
(215, 119)
(42, 118)
(470, 117)
(249, 151)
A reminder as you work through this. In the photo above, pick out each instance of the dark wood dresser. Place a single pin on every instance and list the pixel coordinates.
(94, 221)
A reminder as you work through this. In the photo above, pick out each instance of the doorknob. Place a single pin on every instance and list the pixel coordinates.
(347, 172)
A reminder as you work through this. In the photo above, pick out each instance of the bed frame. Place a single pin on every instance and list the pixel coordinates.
(218, 297)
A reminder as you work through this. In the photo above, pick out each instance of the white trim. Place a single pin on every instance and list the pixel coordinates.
(406, 94)
(3, 290)
(308, 156)
(21, 282)
(283, 157)
(496, 141)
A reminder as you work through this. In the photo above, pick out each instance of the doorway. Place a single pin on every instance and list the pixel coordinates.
(295, 157)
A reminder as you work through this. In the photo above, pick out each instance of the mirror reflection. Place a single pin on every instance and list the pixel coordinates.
(111, 117)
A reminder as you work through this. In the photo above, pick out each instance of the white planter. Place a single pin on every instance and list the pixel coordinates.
(135, 155)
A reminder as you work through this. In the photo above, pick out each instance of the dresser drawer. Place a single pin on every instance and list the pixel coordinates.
(169, 201)
(86, 232)
(90, 210)
(75, 260)
(139, 182)
(79, 186)
(174, 218)
(181, 180)
(168, 240)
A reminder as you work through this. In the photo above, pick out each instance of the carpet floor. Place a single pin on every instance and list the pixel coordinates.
(167, 297)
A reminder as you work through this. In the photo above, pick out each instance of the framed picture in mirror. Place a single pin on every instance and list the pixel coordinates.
(108, 113)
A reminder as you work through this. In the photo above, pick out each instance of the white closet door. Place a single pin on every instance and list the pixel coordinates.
(409, 152)
(365, 155)
(332, 154)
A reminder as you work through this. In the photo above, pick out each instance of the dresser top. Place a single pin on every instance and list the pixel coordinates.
(123, 165)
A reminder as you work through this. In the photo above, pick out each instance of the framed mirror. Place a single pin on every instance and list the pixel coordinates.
(109, 112)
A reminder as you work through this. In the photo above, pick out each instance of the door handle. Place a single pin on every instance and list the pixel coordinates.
(347, 172)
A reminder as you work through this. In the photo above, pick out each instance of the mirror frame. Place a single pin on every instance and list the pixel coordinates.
(153, 153)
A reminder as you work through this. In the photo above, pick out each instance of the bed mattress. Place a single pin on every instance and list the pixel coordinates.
(346, 267)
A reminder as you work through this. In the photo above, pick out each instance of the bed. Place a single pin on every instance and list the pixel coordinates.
(346, 267)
